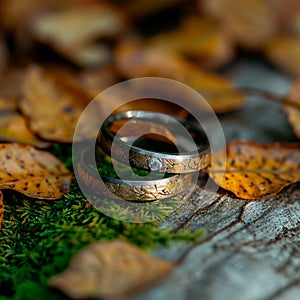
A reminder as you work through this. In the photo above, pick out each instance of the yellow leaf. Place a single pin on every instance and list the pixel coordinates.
(52, 104)
(110, 269)
(250, 22)
(254, 171)
(200, 38)
(13, 128)
(33, 172)
(283, 51)
(73, 32)
(134, 60)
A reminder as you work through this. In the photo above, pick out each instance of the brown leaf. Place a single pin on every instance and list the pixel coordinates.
(254, 171)
(13, 128)
(95, 81)
(72, 32)
(293, 113)
(1, 210)
(110, 269)
(283, 51)
(198, 38)
(250, 22)
(133, 60)
(52, 104)
(32, 172)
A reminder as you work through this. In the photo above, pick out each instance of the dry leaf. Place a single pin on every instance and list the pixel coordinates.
(287, 13)
(1, 210)
(52, 104)
(254, 171)
(10, 85)
(283, 51)
(133, 60)
(96, 81)
(199, 38)
(250, 22)
(293, 113)
(13, 128)
(110, 269)
(72, 32)
(32, 172)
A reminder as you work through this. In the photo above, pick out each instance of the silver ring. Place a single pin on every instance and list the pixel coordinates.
(143, 154)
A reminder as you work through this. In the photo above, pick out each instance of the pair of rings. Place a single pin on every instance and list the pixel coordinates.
(169, 148)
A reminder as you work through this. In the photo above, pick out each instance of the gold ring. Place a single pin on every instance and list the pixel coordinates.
(133, 190)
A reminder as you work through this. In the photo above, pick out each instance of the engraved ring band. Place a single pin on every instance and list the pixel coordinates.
(132, 190)
(171, 145)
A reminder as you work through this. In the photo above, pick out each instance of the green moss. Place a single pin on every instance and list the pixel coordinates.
(39, 237)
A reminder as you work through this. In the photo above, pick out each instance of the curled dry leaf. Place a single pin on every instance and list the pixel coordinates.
(32, 172)
(13, 128)
(199, 38)
(52, 103)
(110, 269)
(72, 32)
(293, 113)
(250, 22)
(254, 171)
(283, 51)
(1, 210)
(134, 60)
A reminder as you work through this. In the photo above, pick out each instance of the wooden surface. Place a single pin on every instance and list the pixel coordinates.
(252, 248)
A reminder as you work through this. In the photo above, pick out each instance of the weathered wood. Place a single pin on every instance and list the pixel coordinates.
(252, 248)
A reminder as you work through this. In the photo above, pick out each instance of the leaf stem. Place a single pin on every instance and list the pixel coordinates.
(270, 96)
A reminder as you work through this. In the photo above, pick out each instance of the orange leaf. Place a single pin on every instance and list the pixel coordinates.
(52, 104)
(73, 31)
(110, 269)
(32, 172)
(283, 51)
(133, 60)
(13, 128)
(198, 38)
(1, 210)
(254, 171)
(293, 113)
(241, 20)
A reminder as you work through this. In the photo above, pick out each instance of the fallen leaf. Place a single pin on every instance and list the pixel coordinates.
(73, 32)
(293, 113)
(33, 172)
(254, 171)
(10, 85)
(52, 103)
(199, 38)
(283, 51)
(134, 60)
(96, 81)
(1, 210)
(250, 22)
(286, 13)
(110, 269)
(13, 128)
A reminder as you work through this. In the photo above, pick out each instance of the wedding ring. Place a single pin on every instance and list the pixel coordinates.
(133, 190)
(172, 145)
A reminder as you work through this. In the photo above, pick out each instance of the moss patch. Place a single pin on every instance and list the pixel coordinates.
(39, 237)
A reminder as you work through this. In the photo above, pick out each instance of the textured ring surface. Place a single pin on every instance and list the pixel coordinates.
(148, 159)
(134, 190)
